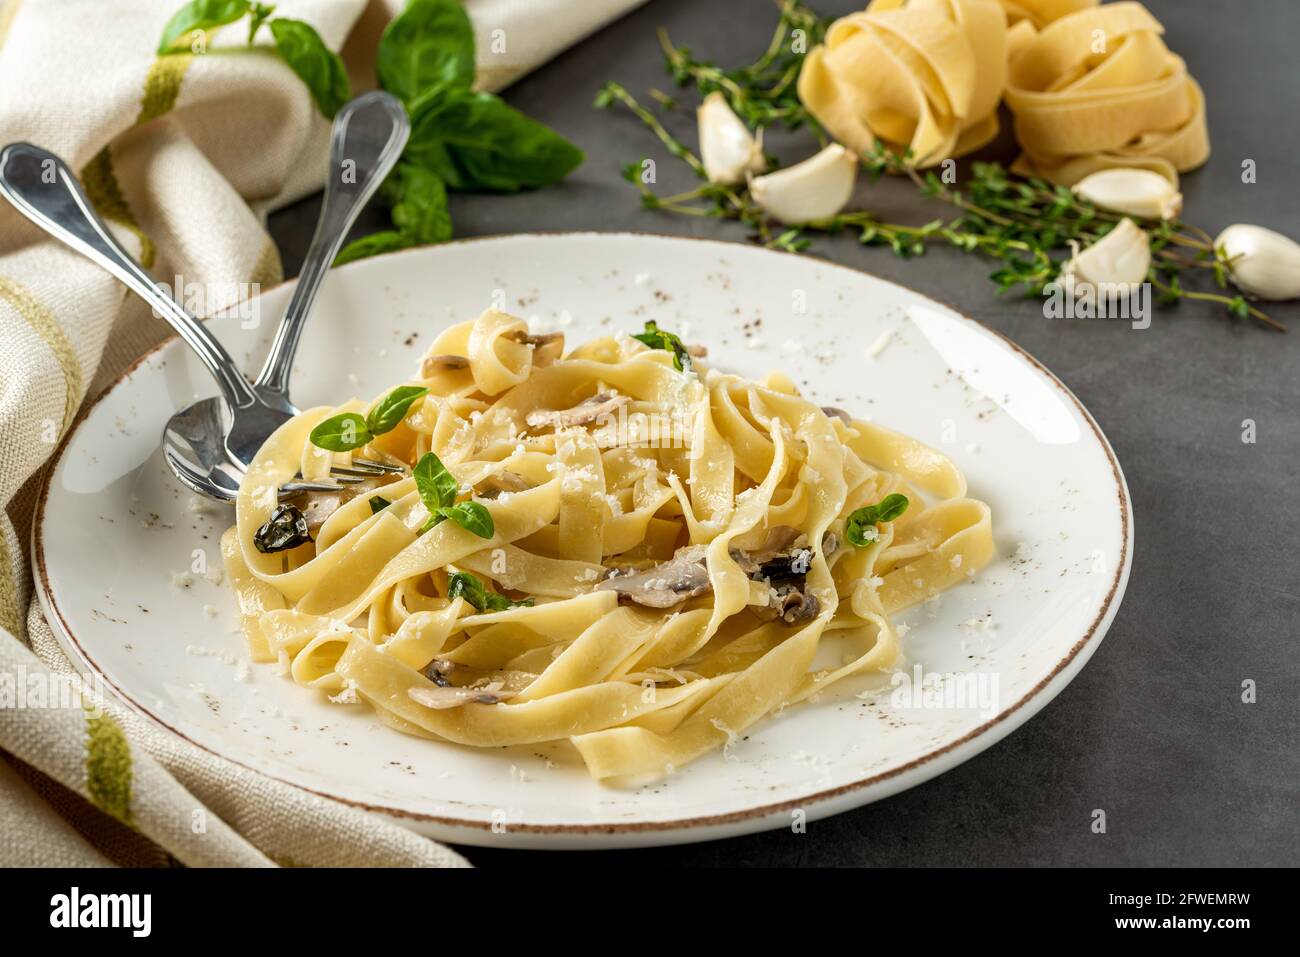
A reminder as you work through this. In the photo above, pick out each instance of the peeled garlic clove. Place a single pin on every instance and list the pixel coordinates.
(1261, 262)
(727, 148)
(817, 188)
(1120, 257)
(1137, 192)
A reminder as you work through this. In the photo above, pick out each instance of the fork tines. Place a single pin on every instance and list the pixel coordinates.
(358, 471)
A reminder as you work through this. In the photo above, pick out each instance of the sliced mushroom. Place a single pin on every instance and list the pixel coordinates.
(442, 697)
(319, 506)
(547, 347)
(503, 481)
(837, 413)
(586, 411)
(432, 365)
(790, 603)
(782, 563)
(670, 583)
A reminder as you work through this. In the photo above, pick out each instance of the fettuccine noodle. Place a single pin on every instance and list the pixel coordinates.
(668, 549)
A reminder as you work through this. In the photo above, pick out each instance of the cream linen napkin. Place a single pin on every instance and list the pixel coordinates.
(184, 156)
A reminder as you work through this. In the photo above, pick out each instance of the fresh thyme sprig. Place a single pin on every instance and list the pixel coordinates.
(763, 92)
(1018, 221)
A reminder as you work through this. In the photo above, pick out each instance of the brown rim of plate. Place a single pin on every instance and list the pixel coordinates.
(639, 826)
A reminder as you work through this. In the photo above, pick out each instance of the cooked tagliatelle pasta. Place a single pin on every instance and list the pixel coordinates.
(620, 546)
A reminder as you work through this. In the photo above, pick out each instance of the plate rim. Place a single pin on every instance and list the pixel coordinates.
(1092, 635)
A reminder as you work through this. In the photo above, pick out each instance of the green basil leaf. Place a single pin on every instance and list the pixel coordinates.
(656, 338)
(472, 517)
(860, 529)
(419, 201)
(496, 602)
(467, 586)
(341, 433)
(437, 486)
(259, 11)
(891, 507)
(196, 16)
(430, 43)
(385, 241)
(475, 141)
(316, 64)
(390, 412)
(378, 503)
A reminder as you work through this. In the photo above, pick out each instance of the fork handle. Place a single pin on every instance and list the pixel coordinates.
(44, 190)
(366, 142)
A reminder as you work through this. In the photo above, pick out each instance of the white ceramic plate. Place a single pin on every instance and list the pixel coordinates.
(117, 540)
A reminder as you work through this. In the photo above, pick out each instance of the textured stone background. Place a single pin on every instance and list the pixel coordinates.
(1153, 730)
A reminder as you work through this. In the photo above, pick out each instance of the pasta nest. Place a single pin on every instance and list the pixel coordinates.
(1098, 89)
(924, 76)
(1090, 87)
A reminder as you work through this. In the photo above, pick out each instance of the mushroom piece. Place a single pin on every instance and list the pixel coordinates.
(443, 697)
(783, 565)
(586, 411)
(670, 583)
(547, 347)
(836, 412)
(697, 352)
(317, 507)
(789, 602)
(432, 365)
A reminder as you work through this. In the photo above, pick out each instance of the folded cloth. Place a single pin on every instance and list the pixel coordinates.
(183, 156)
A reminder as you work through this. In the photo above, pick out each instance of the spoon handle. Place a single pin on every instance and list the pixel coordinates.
(44, 190)
(366, 142)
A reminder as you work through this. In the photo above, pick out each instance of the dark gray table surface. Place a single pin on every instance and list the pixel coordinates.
(1154, 730)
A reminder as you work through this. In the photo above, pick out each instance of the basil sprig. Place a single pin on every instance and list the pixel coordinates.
(467, 586)
(296, 41)
(460, 139)
(378, 503)
(438, 489)
(861, 526)
(347, 430)
(657, 338)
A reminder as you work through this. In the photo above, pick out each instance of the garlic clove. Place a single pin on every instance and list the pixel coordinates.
(1121, 257)
(1261, 262)
(817, 188)
(727, 148)
(1137, 192)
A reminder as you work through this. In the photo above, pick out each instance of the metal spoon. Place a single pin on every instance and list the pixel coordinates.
(223, 437)
(367, 140)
